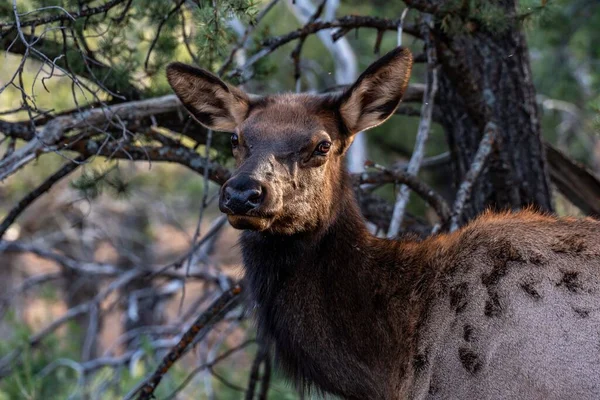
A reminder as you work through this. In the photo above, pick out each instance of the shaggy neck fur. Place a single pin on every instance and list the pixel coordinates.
(330, 301)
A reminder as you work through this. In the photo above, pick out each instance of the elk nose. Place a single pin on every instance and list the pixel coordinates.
(241, 195)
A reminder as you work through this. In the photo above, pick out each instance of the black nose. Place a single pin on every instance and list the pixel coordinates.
(240, 195)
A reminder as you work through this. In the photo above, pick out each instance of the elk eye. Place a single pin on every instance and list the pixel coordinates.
(235, 140)
(323, 148)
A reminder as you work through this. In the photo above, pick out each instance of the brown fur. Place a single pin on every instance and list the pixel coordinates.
(507, 307)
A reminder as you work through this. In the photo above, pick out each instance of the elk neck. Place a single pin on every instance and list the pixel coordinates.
(335, 302)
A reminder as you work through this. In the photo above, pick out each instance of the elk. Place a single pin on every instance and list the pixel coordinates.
(507, 307)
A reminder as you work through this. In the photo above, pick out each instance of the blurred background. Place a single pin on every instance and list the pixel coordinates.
(112, 242)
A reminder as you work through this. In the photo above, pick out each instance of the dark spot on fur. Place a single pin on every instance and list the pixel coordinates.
(493, 308)
(569, 244)
(469, 360)
(433, 389)
(458, 297)
(468, 333)
(493, 277)
(530, 290)
(570, 281)
(582, 313)
(537, 259)
(501, 254)
(505, 251)
(420, 361)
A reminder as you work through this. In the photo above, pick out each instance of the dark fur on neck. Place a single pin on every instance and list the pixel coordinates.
(324, 298)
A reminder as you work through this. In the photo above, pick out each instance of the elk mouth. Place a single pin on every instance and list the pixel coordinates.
(249, 222)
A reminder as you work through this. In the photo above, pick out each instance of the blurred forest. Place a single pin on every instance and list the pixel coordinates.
(111, 242)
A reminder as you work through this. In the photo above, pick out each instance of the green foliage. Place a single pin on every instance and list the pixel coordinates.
(213, 36)
(47, 372)
(464, 17)
(92, 183)
(565, 60)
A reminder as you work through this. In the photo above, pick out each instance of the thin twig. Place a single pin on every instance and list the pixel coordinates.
(215, 311)
(72, 15)
(242, 41)
(347, 22)
(464, 191)
(37, 192)
(296, 53)
(401, 26)
(266, 379)
(423, 132)
(211, 364)
(419, 187)
(261, 355)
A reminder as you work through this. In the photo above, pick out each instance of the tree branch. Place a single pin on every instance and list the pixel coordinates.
(421, 188)
(69, 167)
(65, 15)
(344, 23)
(423, 132)
(464, 191)
(94, 71)
(574, 181)
(217, 310)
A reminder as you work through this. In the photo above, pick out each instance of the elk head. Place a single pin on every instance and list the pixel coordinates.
(289, 148)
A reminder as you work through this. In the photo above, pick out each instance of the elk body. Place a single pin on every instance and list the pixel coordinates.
(508, 307)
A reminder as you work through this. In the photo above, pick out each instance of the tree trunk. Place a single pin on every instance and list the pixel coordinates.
(485, 76)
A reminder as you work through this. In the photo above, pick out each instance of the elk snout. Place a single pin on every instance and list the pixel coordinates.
(240, 195)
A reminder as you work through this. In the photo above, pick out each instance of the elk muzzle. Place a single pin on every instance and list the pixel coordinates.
(241, 199)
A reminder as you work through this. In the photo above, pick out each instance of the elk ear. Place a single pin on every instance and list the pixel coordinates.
(215, 104)
(374, 97)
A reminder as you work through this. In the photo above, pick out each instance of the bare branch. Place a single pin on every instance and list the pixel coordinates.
(261, 358)
(576, 182)
(69, 167)
(423, 132)
(54, 131)
(421, 188)
(66, 15)
(347, 22)
(464, 191)
(216, 311)
(208, 365)
(242, 41)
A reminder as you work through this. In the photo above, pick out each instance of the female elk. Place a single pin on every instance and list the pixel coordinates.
(507, 307)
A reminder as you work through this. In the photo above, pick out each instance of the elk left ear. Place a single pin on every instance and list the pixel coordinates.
(374, 97)
(212, 102)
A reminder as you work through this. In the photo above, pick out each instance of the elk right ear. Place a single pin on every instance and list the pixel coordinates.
(212, 102)
(377, 92)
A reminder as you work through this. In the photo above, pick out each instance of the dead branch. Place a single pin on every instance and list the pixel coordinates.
(95, 70)
(260, 359)
(266, 379)
(6, 28)
(464, 191)
(69, 167)
(216, 311)
(35, 339)
(421, 188)
(423, 132)
(55, 129)
(345, 23)
(576, 182)
(208, 365)
(242, 41)
(103, 270)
